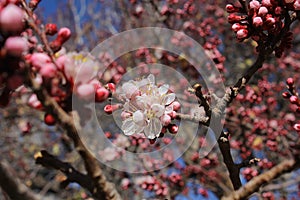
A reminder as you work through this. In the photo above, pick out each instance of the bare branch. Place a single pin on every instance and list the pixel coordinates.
(12, 186)
(47, 160)
(252, 186)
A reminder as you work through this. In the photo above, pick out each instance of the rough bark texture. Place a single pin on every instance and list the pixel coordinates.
(12, 186)
(258, 181)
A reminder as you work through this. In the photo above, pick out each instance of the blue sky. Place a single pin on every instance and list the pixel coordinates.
(50, 6)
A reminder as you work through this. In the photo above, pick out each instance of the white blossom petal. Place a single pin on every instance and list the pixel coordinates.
(138, 118)
(151, 79)
(169, 98)
(153, 129)
(169, 109)
(141, 102)
(163, 89)
(128, 127)
(139, 129)
(129, 89)
(158, 110)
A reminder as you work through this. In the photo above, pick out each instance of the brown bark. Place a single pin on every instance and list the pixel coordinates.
(253, 185)
(12, 185)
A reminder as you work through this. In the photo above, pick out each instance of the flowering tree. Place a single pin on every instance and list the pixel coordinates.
(164, 130)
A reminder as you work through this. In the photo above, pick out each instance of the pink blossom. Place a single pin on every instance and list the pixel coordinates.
(262, 11)
(34, 102)
(38, 60)
(266, 3)
(101, 94)
(297, 5)
(48, 70)
(297, 127)
(257, 21)
(15, 46)
(242, 34)
(86, 91)
(11, 19)
(254, 4)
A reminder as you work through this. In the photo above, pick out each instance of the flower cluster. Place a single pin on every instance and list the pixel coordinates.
(12, 47)
(153, 184)
(62, 74)
(262, 19)
(293, 97)
(147, 108)
(249, 173)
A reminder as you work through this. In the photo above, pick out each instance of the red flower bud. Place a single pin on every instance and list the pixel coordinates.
(49, 119)
(254, 4)
(34, 3)
(293, 99)
(242, 34)
(152, 141)
(262, 11)
(257, 21)
(101, 94)
(176, 105)
(290, 81)
(51, 29)
(109, 109)
(270, 21)
(173, 128)
(233, 18)
(286, 95)
(111, 87)
(64, 34)
(231, 8)
(297, 127)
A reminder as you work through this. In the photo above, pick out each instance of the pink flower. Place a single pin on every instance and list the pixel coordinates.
(48, 70)
(297, 127)
(262, 11)
(257, 21)
(15, 46)
(254, 5)
(297, 5)
(266, 3)
(101, 94)
(242, 34)
(34, 102)
(86, 91)
(290, 81)
(38, 60)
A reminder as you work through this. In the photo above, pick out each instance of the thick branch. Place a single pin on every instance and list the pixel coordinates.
(12, 186)
(47, 160)
(103, 189)
(257, 182)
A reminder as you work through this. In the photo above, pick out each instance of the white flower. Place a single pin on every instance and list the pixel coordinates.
(145, 105)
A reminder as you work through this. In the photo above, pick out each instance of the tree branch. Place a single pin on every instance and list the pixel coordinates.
(47, 160)
(233, 169)
(257, 182)
(12, 186)
(103, 189)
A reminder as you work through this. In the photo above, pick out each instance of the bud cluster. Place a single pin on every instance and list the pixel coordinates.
(51, 67)
(261, 20)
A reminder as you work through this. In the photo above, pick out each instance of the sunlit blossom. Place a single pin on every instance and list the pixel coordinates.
(145, 106)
